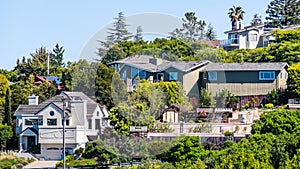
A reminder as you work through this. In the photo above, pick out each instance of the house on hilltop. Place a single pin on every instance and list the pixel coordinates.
(41, 125)
(245, 80)
(154, 69)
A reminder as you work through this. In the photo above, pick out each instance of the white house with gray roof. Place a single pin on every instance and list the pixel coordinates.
(154, 69)
(41, 124)
(245, 80)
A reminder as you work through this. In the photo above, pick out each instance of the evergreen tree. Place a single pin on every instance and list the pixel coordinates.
(138, 36)
(119, 31)
(7, 108)
(283, 13)
(256, 20)
(191, 30)
(210, 33)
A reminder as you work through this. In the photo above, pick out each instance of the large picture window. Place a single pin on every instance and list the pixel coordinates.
(173, 76)
(212, 75)
(51, 122)
(267, 75)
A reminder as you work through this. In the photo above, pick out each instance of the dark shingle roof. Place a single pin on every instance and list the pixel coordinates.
(245, 66)
(143, 62)
(57, 101)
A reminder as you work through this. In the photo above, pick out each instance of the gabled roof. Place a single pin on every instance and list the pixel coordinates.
(274, 66)
(57, 101)
(143, 62)
(246, 28)
(29, 131)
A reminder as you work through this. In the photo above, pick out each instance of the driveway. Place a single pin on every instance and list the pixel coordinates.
(42, 164)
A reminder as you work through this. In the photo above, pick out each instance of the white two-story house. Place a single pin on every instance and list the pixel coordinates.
(41, 125)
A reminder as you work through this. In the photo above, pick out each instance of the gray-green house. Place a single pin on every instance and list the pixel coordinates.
(154, 69)
(245, 80)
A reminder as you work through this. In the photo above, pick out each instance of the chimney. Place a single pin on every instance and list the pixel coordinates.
(33, 100)
(156, 61)
(240, 24)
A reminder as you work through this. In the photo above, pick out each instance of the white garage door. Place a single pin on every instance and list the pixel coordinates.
(53, 153)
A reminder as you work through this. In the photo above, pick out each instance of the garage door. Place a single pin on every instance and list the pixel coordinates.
(53, 153)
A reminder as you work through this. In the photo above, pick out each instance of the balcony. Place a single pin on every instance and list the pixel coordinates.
(230, 42)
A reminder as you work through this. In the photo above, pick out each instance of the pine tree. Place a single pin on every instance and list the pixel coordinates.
(256, 20)
(210, 33)
(7, 108)
(119, 31)
(283, 13)
(138, 36)
(191, 30)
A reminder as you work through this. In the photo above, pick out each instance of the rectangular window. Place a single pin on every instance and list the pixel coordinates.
(104, 122)
(67, 122)
(142, 74)
(253, 37)
(281, 75)
(286, 75)
(97, 124)
(267, 75)
(31, 122)
(173, 76)
(124, 74)
(212, 75)
(40, 121)
(51, 122)
(90, 123)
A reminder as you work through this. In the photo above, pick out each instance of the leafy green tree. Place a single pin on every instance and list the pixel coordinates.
(277, 122)
(3, 87)
(113, 54)
(103, 85)
(83, 76)
(273, 97)
(294, 79)
(7, 109)
(5, 134)
(206, 99)
(283, 13)
(101, 151)
(186, 148)
(235, 14)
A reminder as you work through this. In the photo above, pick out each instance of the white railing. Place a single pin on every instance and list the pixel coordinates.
(229, 42)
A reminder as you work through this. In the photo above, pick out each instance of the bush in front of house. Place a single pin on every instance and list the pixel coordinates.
(71, 162)
(269, 106)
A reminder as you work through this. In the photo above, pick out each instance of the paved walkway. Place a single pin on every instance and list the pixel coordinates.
(41, 164)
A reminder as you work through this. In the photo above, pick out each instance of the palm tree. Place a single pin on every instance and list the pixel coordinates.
(235, 14)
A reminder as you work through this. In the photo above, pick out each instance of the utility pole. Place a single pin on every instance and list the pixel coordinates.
(64, 122)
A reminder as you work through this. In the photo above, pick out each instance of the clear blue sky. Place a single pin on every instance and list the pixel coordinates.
(27, 25)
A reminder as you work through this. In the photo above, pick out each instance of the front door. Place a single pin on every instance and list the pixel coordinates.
(30, 142)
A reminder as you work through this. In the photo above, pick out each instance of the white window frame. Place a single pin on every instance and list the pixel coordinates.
(262, 75)
(52, 124)
(173, 75)
(286, 75)
(212, 76)
(253, 37)
(281, 75)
